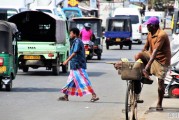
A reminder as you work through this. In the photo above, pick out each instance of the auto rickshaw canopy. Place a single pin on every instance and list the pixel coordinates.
(7, 30)
(118, 27)
(37, 26)
(80, 21)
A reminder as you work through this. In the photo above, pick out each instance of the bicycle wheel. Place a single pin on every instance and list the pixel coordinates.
(127, 100)
(133, 102)
(130, 102)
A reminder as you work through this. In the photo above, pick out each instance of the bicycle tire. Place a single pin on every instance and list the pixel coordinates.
(127, 109)
(133, 101)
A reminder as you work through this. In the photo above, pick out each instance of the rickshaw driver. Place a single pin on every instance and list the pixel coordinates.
(87, 34)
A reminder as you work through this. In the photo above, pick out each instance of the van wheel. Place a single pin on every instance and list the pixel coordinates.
(99, 57)
(9, 86)
(25, 69)
(139, 42)
(121, 46)
(56, 68)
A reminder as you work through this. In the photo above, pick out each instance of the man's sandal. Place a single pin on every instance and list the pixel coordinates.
(93, 99)
(63, 98)
(159, 108)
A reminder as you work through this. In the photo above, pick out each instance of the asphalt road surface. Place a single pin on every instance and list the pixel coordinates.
(34, 94)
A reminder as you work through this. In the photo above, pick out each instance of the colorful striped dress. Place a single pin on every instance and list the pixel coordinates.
(78, 82)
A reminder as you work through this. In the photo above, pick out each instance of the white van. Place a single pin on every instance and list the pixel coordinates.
(136, 20)
(159, 15)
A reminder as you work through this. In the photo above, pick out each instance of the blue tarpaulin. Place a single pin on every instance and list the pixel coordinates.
(118, 34)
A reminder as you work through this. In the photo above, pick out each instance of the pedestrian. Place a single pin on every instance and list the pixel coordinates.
(156, 56)
(78, 82)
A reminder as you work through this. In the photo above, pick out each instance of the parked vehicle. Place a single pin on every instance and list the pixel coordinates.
(118, 32)
(8, 54)
(45, 41)
(136, 21)
(159, 15)
(172, 78)
(72, 12)
(96, 48)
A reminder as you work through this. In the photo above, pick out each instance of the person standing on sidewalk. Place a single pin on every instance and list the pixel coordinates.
(78, 82)
(156, 56)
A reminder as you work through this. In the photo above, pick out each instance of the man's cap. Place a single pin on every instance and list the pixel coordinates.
(152, 20)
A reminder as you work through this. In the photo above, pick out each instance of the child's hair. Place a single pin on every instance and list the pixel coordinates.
(75, 31)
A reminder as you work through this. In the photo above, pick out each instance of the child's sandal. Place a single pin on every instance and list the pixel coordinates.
(94, 99)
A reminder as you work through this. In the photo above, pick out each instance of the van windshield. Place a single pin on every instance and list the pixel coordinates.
(134, 18)
(147, 17)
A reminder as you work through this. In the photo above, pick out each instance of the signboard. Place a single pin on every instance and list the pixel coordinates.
(72, 3)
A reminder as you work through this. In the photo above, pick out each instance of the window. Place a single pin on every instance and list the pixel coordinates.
(134, 18)
(6, 13)
(71, 13)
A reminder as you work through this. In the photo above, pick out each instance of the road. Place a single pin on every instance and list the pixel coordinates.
(34, 95)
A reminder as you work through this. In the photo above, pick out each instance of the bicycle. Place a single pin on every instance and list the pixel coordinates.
(132, 73)
(131, 101)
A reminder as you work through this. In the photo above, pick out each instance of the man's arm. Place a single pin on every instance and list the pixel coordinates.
(146, 46)
(69, 58)
(152, 58)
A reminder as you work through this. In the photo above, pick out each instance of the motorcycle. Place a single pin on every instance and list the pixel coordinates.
(172, 84)
(89, 51)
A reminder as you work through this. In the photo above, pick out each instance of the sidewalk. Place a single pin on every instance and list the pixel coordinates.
(170, 112)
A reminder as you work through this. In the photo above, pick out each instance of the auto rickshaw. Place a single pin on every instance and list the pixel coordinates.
(118, 32)
(97, 48)
(44, 41)
(8, 54)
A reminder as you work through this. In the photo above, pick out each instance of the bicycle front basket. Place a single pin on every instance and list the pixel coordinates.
(128, 71)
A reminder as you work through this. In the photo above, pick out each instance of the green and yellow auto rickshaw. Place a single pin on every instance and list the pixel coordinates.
(8, 54)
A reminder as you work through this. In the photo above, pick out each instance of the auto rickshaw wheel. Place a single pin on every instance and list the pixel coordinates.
(56, 68)
(25, 69)
(9, 86)
(99, 57)
(107, 46)
(130, 46)
(65, 68)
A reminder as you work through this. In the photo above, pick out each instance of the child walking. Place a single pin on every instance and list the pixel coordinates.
(78, 82)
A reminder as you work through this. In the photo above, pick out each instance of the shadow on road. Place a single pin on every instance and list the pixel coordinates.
(33, 89)
(41, 73)
(165, 109)
(96, 74)
(97, 102)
